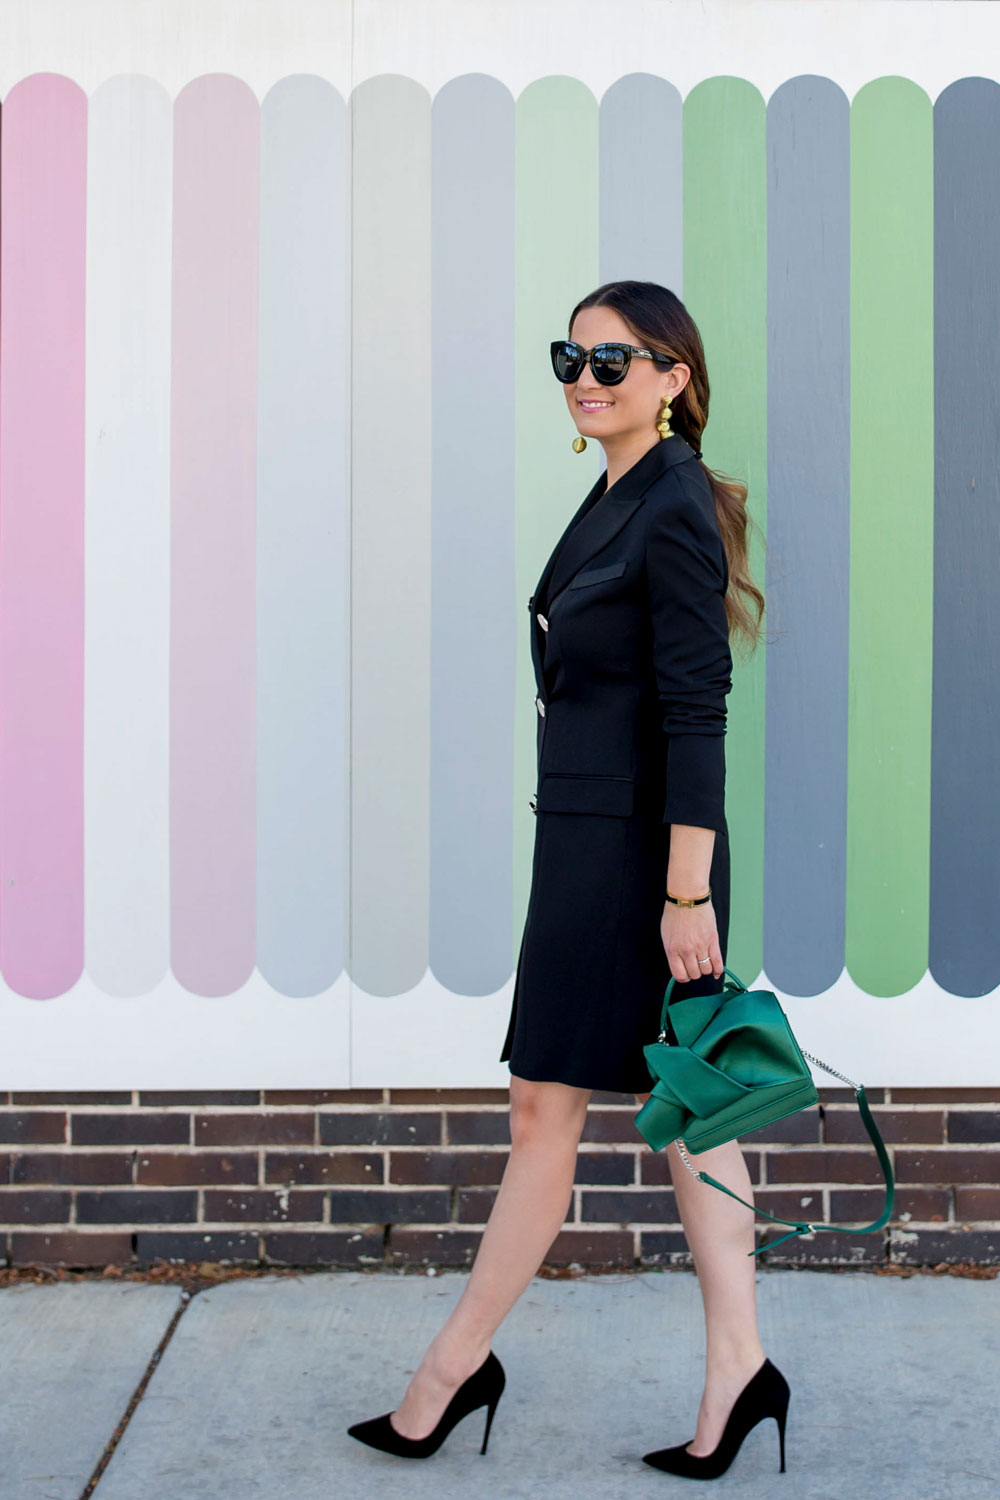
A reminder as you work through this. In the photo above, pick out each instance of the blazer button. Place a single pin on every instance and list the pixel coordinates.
(540, 706)
(543, 622)
(533, 804)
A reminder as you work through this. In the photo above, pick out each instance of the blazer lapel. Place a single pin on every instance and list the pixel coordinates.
(594, 526)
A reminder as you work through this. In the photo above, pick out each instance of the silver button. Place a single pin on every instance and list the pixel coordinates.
(540, 706)
(533, 804)
(543, 622)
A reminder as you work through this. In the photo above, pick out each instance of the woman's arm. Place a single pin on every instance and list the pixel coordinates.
(686, 580)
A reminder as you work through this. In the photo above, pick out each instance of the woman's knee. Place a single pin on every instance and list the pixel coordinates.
(546, 1111)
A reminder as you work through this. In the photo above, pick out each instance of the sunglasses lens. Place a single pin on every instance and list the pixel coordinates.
(567, 361)
(610, 363)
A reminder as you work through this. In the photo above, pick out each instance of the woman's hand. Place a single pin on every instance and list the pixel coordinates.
(690, 933)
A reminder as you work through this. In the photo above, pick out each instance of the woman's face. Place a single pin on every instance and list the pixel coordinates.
(627, 411)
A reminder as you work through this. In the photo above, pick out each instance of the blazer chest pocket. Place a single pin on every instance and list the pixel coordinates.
(598, 575)
(563, 791)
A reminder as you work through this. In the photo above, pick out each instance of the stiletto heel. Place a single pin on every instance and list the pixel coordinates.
(489, 1422)
(780, 1418)
(482, 1388)
(766, 1394)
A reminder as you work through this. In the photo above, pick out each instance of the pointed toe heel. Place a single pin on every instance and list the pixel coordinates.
(766, 1394)
(482, 1388)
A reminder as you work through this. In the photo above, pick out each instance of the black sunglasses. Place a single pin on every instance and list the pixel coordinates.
(609, 362)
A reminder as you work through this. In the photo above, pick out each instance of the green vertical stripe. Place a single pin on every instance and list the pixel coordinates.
(892, 535)
(556, 264)
(725, 290)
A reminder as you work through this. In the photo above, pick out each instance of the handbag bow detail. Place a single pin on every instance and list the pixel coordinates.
(729, 1063)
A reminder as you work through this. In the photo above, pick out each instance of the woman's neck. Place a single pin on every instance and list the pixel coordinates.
(622, 456)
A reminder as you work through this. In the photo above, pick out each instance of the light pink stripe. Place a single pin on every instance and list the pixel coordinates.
(43, 169)
(213, 503)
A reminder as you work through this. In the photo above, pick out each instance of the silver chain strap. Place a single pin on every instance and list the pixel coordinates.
(679, 1143)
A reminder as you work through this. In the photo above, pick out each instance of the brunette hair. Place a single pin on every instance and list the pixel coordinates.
(660, 321)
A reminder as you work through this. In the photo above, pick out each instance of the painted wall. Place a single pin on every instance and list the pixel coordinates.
(281, 457)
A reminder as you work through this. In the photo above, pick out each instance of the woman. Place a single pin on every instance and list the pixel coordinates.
(630, 627)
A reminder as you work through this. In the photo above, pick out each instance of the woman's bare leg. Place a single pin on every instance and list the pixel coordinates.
(546, 1122)
(720, 1233)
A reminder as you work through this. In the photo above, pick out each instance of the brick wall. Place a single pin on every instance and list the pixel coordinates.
(393, 1177)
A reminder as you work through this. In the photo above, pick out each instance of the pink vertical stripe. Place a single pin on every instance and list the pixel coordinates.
(43, 167)
(213, 505)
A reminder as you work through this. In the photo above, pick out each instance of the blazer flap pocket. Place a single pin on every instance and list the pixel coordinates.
(562, 791)
(598, 575)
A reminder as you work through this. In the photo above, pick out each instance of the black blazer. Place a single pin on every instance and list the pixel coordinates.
(630, 648)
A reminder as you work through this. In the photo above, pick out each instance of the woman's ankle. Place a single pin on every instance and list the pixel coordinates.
(453, 1360)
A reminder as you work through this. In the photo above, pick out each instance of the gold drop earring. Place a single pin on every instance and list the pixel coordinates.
(579, 443)
(663, 420)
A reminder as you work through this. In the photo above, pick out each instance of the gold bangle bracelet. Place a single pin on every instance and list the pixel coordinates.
(689, 900)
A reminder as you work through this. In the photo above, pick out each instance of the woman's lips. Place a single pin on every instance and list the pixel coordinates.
(595, 405)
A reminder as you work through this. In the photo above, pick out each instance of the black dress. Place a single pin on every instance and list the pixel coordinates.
(630, 647)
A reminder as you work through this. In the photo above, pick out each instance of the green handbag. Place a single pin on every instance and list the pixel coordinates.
(728, 1063)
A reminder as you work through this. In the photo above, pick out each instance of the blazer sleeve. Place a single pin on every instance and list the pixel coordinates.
(687, 576)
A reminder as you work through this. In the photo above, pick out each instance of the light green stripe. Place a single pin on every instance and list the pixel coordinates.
(892, 536)
(725, 290)
(556, 264)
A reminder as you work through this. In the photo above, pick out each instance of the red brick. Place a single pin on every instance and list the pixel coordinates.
(34, 1206)
(924, 1205)
(131, 1128)
(977, 1203)
(72, 1167)
(379, 1128)
(931, 1247)
(604, 1247)
(436, 1247)
(664, 1247)
(824, 1247)
(72, 1249)
(614, 1168)
(448, 1098)
(214, 1245)
(787, 1203)
(24, 1127)
(324, 1247)
(948, 1166)
(812, 1167)
(200, 1098)
(135, 1206)
(654, 1166)
(635, 1207)
(259, 1206)
(62, 1096)
(323, 1167)
(895, 1125)
(612, 1125)
(176, 1169)
(389, 1206)
(990, 1095)
(972, 1126)
(486, 1128)
(448, 1168)
(303, 1097)
(255, 1129)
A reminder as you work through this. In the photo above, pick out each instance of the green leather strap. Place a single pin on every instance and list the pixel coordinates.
(804, 1227)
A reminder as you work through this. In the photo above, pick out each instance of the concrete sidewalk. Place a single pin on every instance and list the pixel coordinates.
(895, 1384)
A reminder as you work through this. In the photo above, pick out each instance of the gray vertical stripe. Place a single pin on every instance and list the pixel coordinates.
(390, 525)
(473, 610)
(808, 531)
(965, 733)
(642, 182)
(302, 538)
